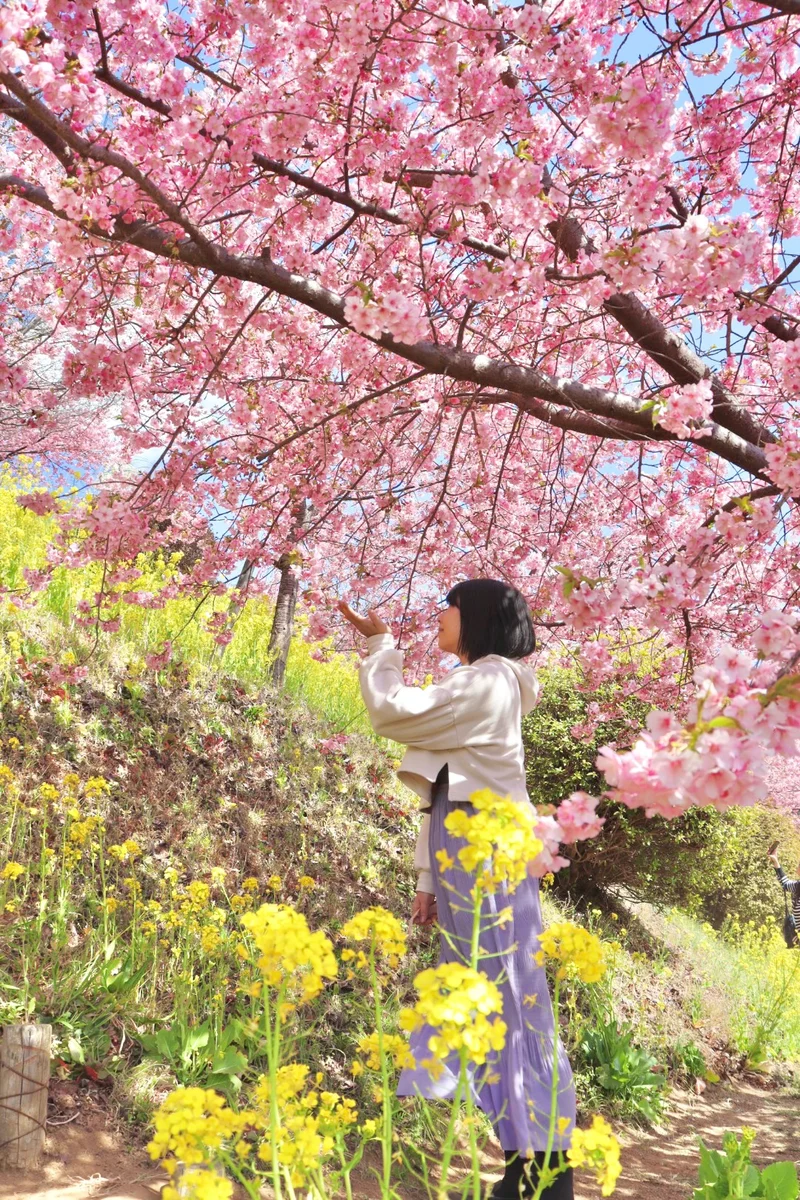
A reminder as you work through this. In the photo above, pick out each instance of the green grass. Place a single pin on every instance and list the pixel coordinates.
(742, 982)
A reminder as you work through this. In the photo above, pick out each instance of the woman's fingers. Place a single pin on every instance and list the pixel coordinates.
(378, 625)
(367, 626)
(362, 624)
(423, 910)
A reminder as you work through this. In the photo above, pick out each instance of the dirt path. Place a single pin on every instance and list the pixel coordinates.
(663, 1165)
(85, 1164)
(93, 1164)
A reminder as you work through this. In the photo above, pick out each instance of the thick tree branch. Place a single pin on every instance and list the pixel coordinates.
(104, 73)
(94, 152)
(790, 7)
(10, 107)
(779, 329)
(363, 207)
(437, 359)
(664, 347)
(573, 421)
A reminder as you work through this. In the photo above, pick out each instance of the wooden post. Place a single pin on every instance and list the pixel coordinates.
(24, 1079)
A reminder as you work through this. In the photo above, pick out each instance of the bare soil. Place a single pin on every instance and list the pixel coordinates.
(87, 1160)
(85, 1164)
(662, 1164)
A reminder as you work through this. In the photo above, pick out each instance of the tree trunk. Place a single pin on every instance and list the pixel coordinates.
(24, 1079)
(280, 637)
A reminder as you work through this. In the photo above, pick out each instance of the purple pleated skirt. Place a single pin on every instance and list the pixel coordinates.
(514, 1088)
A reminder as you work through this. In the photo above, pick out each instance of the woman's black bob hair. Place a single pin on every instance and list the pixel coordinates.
(495, 619)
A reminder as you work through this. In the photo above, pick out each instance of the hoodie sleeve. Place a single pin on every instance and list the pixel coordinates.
(413, 716)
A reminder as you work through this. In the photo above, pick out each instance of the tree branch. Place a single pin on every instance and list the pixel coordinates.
(664, 347)
(55, 144)
(573, 421)
(790, 7)
(437, 359)
(94, 152)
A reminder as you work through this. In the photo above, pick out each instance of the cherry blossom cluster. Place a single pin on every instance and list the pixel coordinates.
(685, 410)
(783, 462)
(720, 753)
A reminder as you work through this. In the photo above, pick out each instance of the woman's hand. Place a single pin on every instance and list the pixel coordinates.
(366, 626)
(772, 854)
(423, 910)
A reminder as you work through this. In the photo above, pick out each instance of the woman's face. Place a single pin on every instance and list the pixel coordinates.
(449, 629)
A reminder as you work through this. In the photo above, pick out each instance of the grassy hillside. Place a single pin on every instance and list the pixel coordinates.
(148, 815)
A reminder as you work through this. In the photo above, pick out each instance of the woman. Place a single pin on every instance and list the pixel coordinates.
(791, 924)
(464, 734)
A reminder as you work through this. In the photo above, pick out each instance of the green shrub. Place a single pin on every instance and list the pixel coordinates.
(711, 864)
(625, 1073)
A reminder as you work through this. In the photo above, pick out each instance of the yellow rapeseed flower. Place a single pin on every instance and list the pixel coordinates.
(578, 952)
(251, 883)
(125, 850)
(198, 895)
(500, 839)
(310, 1123)
(598, 1149)
(72, 856)
(291, 953)
(218, 876)
(458, 1002)
(200, 1183)
(306, 883)
(12, 870)
(209, 939)
(274, 883)
(191, 1125)
(395, 1048)
(96, 786)
(381, 929)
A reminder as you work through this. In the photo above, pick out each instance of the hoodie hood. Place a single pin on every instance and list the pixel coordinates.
(526, 678)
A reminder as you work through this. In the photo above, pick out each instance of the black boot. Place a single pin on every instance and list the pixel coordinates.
(522, 1176)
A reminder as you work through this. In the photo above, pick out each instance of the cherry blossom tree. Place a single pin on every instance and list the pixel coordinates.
(500, 289)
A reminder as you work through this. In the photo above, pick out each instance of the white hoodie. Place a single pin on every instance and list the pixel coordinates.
(471, 720)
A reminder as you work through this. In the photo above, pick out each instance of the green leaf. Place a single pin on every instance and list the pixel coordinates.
(231, 1033)
(779, 1181)
(165, 1043)
(222, 1082)
(232, 1062)
(710, 1164)
(750, 1183)
(76, 1050)
(196, 1039)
